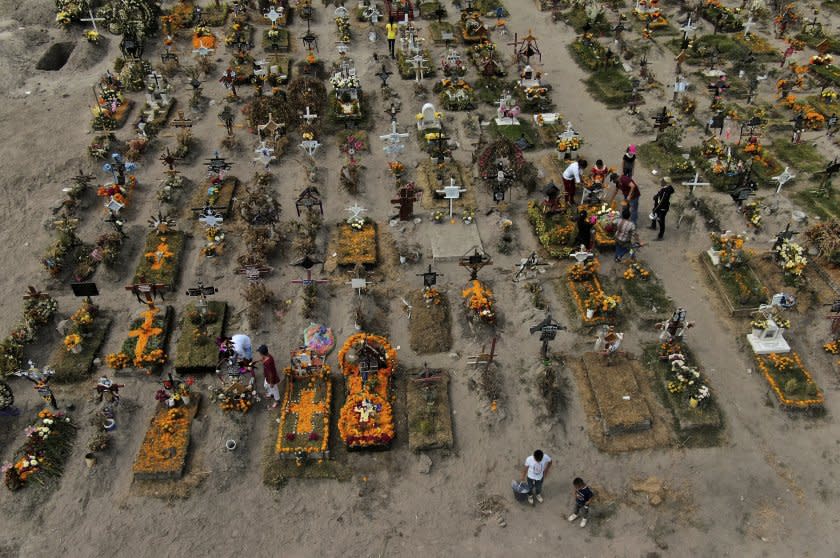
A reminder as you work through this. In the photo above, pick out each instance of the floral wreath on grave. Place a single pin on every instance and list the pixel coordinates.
(792, 258)
(358, 341)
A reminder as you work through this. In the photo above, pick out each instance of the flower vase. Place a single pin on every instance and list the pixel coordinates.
(170, 402)
(185, 399)
(76, 349)
(590, 313)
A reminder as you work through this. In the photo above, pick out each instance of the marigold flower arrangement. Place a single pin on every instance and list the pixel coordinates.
(832, 347)
(366, 419)
(72, 342)
(478, 299)
(634, 270)
(790, 380)
(431, 296)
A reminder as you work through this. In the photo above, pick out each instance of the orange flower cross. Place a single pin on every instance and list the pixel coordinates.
(306, 409)
(160, 255)
(145, 331)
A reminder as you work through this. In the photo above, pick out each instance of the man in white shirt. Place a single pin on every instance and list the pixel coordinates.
(242, 345)
(536, 467)
(571, 178)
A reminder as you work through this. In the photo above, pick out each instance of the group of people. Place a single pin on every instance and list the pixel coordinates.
(536, 468)
(626, 234)
(240, 345)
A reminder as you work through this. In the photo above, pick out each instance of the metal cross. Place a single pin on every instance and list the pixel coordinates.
(430, 277)
(356, 211)
(309, 198)
(394, 136)
(384, 74)
(202, 293)
(307, 263)
(210, 217)
(548, 329)
(254, 269)
(310, 146)
(272, 128)
(273, 15)
(527, 264)
(148, 291)
(309, 116)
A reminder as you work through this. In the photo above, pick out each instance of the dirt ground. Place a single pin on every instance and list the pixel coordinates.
(770, 488)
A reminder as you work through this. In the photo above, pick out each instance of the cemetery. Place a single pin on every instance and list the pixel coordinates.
(340, 267)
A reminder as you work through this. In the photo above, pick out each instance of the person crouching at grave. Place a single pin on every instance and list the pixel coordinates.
(584, 230)
(271, 380)
(599, 172)
(571, 178)
(630, 191)
(625, 234)
(661, 205)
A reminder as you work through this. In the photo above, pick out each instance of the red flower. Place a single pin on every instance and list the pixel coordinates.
(313, 436)
(290, 436)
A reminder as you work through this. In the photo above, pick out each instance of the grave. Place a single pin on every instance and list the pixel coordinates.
(768, 340)
(429, 321)
(620, 402)
(196, 350)
(305, 412)
(451, 242)
(157, 460)
(55, 57)
(429, 410)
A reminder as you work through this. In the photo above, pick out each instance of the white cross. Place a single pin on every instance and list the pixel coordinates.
(273, 15)
(694, 183)
(308, 115)
(265, 154)
(310, 146)
(92, 19)
(748, 25)
(783, 178)
(262, 69)
(581, 255)
(211, 219)
(393, 148)
(356, 211)
(405, 19)
(372, 14)
(569, 134)
(417, 63)
(394, 136)
(688, 29)
(452, 192)
(358, 284)
(342, 48)
(680, 85)
(114, 206)
(203, 51)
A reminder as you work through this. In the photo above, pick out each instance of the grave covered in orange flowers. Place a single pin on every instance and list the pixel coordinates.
(163, 453)
(161, 259)
(145, 345)
(305, 413)
(367, 363)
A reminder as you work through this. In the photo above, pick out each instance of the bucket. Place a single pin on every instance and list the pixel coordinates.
(109, 425)
(90, 459)
(520, 490)
(230, 445)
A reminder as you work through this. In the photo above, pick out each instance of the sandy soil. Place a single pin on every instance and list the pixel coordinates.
(769, 490)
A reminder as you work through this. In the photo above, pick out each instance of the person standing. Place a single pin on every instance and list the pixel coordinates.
(391, 30)
(571, 178)
(271, 380)
(628, 162)
(584, 230)
(661, 205)
(535, 470)
(625, 234)
(583, 495)
(631, 193)
(242, 346)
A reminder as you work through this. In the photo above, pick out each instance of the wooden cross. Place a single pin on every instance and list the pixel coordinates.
(168, 159)
(34, 294)
(307, 263)
(181, 121)
(482, 357)
(406, 197)
(309, 198)
(475, 262)
(254, 269)
(149, 291)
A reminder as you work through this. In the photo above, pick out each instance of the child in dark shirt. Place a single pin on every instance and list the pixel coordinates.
(583, 495)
